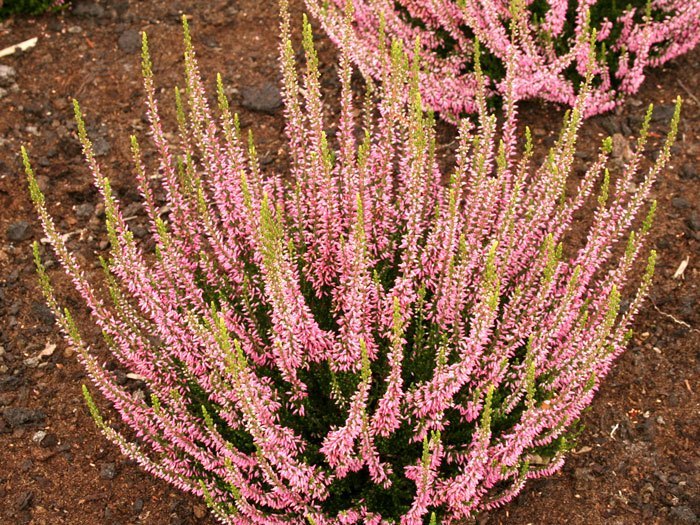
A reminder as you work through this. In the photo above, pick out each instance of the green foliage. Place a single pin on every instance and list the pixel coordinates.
(28, 7)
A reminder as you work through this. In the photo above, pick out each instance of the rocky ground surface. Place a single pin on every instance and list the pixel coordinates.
(637, 460)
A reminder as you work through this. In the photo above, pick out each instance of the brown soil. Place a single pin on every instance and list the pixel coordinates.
(637, 460)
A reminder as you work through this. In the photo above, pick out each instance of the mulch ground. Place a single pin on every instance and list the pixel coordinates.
(637, 460)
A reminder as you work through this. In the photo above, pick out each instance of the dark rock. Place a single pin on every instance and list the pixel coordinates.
(211, 42)
(24, 500)
(625, 129)
(101, 147)
(688, 171)
(108, 471)
(69, 147)
(264, 98)
(140, 231)
(199, 511)
(35, 109)
(8, 383)
(54, 24)
(661, 476)
(583, 478)
(674, 478)
(120, 377)
(680, 203)
(687, 304)
(483, 519)
(50, 440)
(694, 222)
(621, 150)
(137, 506)
(684, 514)
(133, 209)
(130, 41)
(663, 112)
(663, 243)
(8, 74)
(635, 121)
(610, 124)
(43, 313)
(88, 9)
(19, 231)
(85, 210)
(121, 7)
(18, 417)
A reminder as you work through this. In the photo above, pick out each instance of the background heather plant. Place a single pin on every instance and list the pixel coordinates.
(549, 46)
(360, 339)
(28, 7)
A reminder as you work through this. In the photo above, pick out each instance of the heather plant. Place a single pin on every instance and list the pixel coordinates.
(28, 7)
(360, 339)
(550, 46)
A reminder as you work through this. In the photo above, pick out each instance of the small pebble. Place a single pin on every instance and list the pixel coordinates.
(680, 203)
(199, 511)
(264, 98)
(140, 231)
(130, 41)
(87, 9)
(18, 417)
(137, 506)
(8, 74)
(101, 147)
(19, 231)
(683, 514)
(49, 441)
(85, 210)
(108, 471)
(663, 112)
(24, 500)
(688, 171)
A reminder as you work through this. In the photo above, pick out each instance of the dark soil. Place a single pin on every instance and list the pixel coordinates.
(637, 460)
